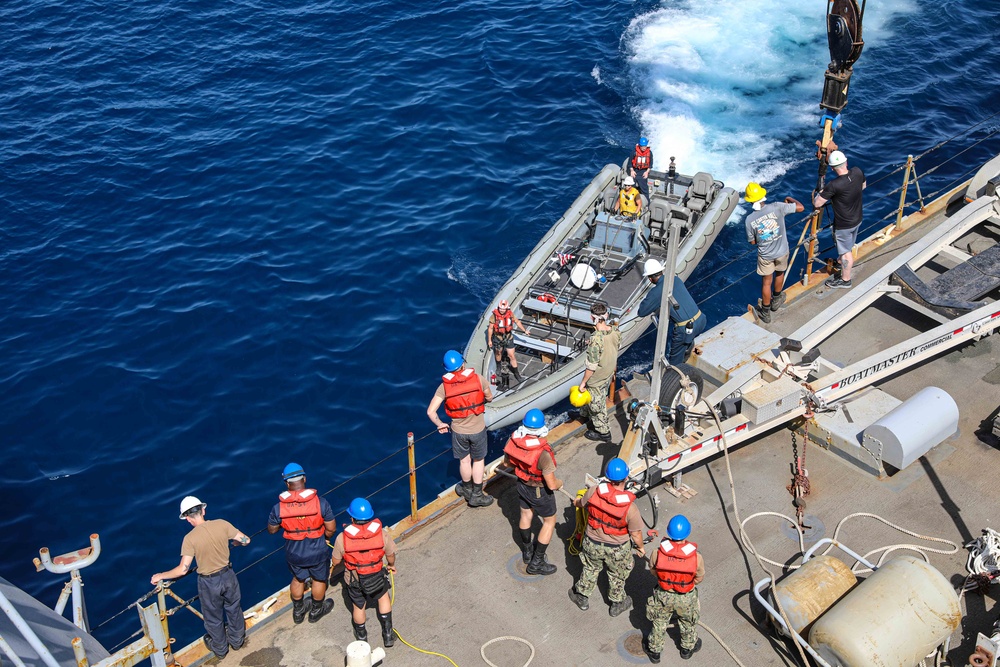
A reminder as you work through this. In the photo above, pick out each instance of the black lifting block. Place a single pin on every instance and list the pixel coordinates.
(835, 90)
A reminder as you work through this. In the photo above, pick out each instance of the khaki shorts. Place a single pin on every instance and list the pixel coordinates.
(766, 267)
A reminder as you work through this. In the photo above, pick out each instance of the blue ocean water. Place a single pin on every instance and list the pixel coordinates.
(238, 234)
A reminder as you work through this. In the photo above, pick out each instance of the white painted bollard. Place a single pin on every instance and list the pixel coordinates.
(360, 654)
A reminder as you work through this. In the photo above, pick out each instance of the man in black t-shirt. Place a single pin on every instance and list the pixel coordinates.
(845, 193)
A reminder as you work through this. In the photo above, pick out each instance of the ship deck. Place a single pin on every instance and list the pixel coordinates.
(460, 582)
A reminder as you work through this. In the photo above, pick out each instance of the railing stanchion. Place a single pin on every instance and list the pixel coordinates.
(410, 451)
(813, 232)
(902, 193)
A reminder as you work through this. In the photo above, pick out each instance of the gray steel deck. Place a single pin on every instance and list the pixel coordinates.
(458, 584)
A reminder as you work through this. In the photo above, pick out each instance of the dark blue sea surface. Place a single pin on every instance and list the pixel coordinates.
(242, 234)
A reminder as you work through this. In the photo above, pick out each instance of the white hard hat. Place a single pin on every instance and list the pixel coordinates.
(836, 159)
(628, 180)
(651, 267)
(189, 503)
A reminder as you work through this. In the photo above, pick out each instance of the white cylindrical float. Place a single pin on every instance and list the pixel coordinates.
(894, 618)
(360, 654)
(915, 426)
(809, 591)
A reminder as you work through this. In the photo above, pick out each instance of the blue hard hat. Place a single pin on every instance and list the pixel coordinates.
(534, 419)
(617, 470)
(292, 470)
(361, 509)
(453, 360)
(678, 528)
(643, 141)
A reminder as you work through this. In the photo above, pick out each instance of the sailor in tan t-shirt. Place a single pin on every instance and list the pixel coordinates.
(218, 588)
(464, 394)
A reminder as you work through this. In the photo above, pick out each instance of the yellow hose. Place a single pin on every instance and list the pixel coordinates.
(576, 539)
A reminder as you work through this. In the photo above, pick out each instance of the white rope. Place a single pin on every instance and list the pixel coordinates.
(885, 551)
(722, 644)
(482, 649)
(983, 554)
(744, 538)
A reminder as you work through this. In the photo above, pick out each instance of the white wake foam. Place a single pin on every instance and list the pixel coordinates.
(733, 87)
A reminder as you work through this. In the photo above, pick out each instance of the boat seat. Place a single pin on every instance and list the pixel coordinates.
(559, 310)
(546, 346)
(957, 290)
(661, 215)
(701, 193)
(608, 199)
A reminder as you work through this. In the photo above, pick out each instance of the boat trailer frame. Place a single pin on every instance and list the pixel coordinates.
(798, 356)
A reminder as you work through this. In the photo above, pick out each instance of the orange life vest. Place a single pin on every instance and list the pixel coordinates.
(524, 453)
(676, 565)
(463, 394)
(504, 323)
(607, 509)
(628, 201)
(300, 513)
(643, 158)
(364, 547)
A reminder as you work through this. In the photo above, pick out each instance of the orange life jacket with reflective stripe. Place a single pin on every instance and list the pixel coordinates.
(503, 323)
(676, 565)
(642, 158)
(300, 514)
(364, 547)
(524, 454)
(463, 394)
(607, 509)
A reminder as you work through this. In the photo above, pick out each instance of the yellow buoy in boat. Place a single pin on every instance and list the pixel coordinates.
(578, 398)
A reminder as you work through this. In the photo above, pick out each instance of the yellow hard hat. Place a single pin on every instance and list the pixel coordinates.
(578, 398)
(754, 193)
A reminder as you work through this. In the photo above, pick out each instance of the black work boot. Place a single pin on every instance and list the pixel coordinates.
(298, 611)
(538, 564)
(320, 608)
(580, 601)
(777, 300)
(617, 608)
(517, 374)
(360, 631)
(464, 490)
(479, 498)
(654, 657)
(527, 548)
(591, 434)
(388, 638)
(762, 312)
(687, 653)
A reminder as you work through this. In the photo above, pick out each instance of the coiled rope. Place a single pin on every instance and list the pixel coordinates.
(482, 649)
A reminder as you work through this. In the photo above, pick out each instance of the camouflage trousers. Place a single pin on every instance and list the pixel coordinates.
(597, 409)
(617, 559)
(662, 605)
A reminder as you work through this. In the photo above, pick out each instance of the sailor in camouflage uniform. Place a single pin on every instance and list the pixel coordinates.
(679, 568)
(612, 521)
(602, 357)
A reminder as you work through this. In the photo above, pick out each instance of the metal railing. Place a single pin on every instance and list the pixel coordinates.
(153, 641)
